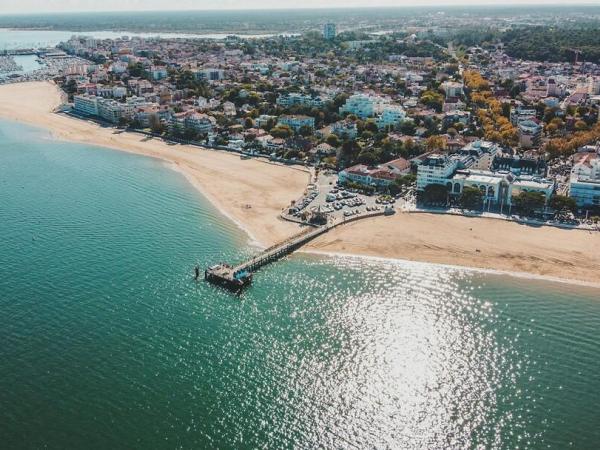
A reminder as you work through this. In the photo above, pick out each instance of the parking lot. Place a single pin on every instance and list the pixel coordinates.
(338, 202)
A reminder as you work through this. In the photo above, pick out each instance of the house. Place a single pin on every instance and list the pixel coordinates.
(378, 176)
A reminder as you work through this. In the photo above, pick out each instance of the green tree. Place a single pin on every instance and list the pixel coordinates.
(526, 203)
(471, 198)
(435, 194)
(333, 140)
(305, 131)
(563, 203)
(281, 131)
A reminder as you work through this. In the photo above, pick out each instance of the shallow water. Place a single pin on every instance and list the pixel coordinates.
(107, 342)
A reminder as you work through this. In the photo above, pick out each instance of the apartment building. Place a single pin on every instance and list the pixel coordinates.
(296, 122)
(584, 184)
(295, 98)
(86, 105)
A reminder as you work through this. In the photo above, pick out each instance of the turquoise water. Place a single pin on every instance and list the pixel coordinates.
(107, 342)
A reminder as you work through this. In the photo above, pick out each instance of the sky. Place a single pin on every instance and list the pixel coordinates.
(39, 6)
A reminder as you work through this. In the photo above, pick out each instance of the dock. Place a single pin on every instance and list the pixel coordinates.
(238, 276)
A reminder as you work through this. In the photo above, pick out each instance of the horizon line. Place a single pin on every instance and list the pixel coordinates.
(454, 5)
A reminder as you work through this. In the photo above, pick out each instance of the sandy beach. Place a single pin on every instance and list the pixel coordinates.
(252, 193)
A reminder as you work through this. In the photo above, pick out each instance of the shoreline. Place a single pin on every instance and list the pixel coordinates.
(481, 270)
(252, 193)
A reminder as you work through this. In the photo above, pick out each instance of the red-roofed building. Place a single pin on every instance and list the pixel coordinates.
(376, 176)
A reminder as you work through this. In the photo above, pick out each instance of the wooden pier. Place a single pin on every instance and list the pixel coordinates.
(238, 276)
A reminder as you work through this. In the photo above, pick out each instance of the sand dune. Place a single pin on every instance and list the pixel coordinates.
(252, 193)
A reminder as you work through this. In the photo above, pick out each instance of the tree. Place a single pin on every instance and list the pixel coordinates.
(156, 124)
(367, 158)
(408, 127)
(281, 131)
(433, 99)
(333, 140)
(526, 203)
(563, 203)
(435, 194)
(248, 123)
(471, 198)
(305, 131)
(436, 143)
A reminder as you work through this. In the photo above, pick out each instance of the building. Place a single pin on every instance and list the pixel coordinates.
(110, 110)
(86, 105)
(210, 74)
(483, 153)
(584, 184)
(391, 116)
(518, 165)
(498, 189)
(329, 31)
(452, 89)
(519, 114)
(294, 98)
(158, 72)
(438, 169)
(360, 105)
(264, 119)
(297, 122)
(200, 123)
(345, 129)
(378, 176)
(530, 134)
(462, 170)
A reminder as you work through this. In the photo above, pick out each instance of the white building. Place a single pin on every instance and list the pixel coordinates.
(518, 115)
(436, 169)
(294, 98)
(365, 106)
(499, 188)
(119, 91)
(86, 104)
(585, 182)
(452, 89)
(191, 120)
(390, 116)
(297, 122)
(110, 110)
(360, 105)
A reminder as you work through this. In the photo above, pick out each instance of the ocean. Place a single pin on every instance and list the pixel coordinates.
(108, 342)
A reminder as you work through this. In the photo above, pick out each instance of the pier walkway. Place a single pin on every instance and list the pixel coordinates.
(241, 275)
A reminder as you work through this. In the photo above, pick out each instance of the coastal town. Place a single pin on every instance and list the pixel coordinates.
(466, 130)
